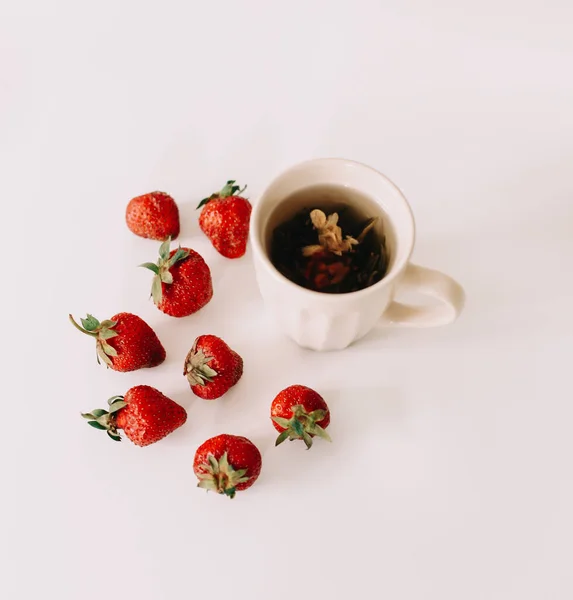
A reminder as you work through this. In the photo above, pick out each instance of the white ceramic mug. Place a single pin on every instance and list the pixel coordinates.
(324, 321)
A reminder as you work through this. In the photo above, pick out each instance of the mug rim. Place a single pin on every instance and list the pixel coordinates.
(396, 270)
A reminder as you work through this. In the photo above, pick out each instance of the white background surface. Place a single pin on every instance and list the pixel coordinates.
(449, 477)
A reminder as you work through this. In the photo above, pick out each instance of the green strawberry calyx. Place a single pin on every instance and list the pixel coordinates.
(106, 419)
(229, 189)
(302, 426)
(161, 268)
(221, 477)
(197, 369)
(101, 332)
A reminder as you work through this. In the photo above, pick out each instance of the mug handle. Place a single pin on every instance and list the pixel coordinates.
(431, 283)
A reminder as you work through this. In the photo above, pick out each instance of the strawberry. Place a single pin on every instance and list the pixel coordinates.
(225, 220)
(182, 283)
(211, 367)
(144, 413)
(227, 464)
(125, 342)
(300, 413)
(154, 215)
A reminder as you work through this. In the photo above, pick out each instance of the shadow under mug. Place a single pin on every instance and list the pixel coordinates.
(323, 321)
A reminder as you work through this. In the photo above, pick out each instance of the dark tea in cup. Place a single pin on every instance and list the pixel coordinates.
(332, 241)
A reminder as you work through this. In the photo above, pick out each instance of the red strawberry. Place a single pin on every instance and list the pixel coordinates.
(227, 464)
(182, 283)
(144, 413)
(225, 220)
(125, 342)
(153, 215)
(211, 367)
(300, 413)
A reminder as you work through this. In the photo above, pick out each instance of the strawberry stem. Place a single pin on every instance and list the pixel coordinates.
(221, 477)
(161, 268)
(301, 426)
(230, 189)
(79, 328)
